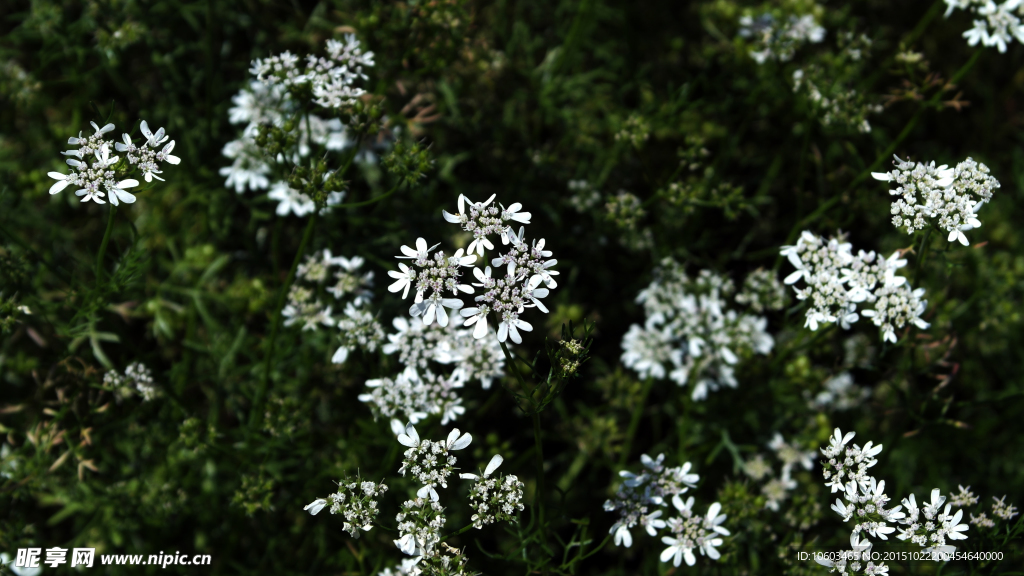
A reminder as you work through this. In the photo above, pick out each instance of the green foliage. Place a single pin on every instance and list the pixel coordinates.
(632, 131)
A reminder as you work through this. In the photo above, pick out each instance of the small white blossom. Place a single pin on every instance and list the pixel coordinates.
(689, 325)
(997, 26)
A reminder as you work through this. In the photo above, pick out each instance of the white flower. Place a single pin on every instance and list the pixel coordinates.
(153, 140)
(476, 315)
(457, 442)
(434, 307)
(404, 279)
(248, 170)
(118, 192)
(513, 213)
(496, 461)
(420, 253)
(622, 535)
(62, 181)
(290, 200)
(954, 530)
(316, 506)
(510, 327)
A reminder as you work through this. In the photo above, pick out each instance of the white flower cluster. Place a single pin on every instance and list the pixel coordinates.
(356, 501)
(840, 393)
(419, 526)
(271, 100)
(304, 299)
(330, 79)
(443, 560)
(102, 174)
(951, 196)
(418, 391)
(494, 499)
(137, 378)
(261, 104)
(414, 397)
(526, 268)
(963, 498)
(928, 527)
(640, 494)
(762, 291)
(421, 519)
(996, 25)
(858, 559)
(840, 107)
(845, 470)
(776, 490)
(429, 462)
(688, 325)
(340, 278)
(584, 196)
(1000, 508)
(689, 531)
(837, 281)
(1003, 510)
(775, 40)
(416, 344)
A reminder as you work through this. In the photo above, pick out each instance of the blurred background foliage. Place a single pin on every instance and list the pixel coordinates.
(631, 130)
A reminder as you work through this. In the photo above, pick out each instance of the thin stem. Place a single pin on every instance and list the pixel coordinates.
(370, 201)
(634, 422)
(457, 532)
(538, 497)
(103, 245)
(512, 363)
(255, 419)
(922, 251)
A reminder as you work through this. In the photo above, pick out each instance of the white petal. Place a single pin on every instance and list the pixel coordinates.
(481, 327)
(397, 427)
(58, 186)
(493, 465)
(667, 554)
(462, 442)
(410, 438)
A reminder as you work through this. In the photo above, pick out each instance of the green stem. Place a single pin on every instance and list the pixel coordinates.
(922, 251)
(512, 363)
(538, 497)
(367, 202)
(634, 422)
(457, 532)
(103, 244)
(255, 419)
